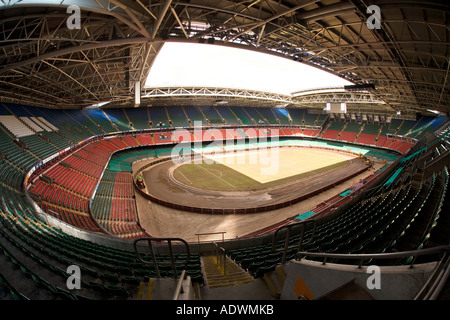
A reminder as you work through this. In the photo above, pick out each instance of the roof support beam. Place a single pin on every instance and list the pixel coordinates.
(69, 50)
(160, 18)
(275, 17)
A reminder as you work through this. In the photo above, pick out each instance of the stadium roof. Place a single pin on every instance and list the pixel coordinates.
(47, 59)
(203, 65)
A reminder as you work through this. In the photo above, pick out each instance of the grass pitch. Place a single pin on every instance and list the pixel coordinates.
(248, 171)
(214, 176)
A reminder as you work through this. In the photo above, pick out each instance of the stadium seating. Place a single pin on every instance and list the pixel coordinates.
(213, 115)
(194, 114)
(282, 116)
(119, 119)
(392, 219)
(139, 117)
(268, 115)
(242, 116)
(158, 117)
(226, 114)
(297, 116)
(114, 206)
(401, 212)
(144, 139)
(333, 130)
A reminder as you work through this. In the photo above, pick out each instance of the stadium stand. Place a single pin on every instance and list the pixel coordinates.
(195, 114)
(159, 117)
(16, 127)
(213, 115)
(114, 206)
(384, 222)
(404, 211)
(138, 118)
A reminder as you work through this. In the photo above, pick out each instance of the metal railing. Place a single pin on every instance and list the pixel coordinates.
(210, 233)
(289, 227)
(368, 256)
(156, 264)
(436, 282)
(432, 287)
(179, 288)
(221, 257)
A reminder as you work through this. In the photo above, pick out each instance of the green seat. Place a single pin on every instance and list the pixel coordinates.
(65, 294)
(131, 280)
(110, 277)
(117, 290)
(255, 265)
(197, 278)
(264, 269)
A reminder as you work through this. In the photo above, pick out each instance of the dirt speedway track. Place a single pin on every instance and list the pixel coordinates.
(162, 221)
(162, 185)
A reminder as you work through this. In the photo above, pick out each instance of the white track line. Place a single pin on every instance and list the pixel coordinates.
(185, 176)
(216, 176)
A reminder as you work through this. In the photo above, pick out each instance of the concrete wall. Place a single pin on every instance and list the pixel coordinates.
(396, 282)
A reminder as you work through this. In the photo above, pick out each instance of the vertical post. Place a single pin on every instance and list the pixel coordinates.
(172, 259)
(155, 264)
(302, 224)
(286, 245)
(221, 257)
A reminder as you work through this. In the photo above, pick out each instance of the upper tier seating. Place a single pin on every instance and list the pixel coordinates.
(16, 127)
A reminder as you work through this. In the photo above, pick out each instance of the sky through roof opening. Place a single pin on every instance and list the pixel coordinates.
(206, 65)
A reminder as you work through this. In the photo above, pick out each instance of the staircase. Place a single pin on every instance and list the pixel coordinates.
(326, 128)
(343, 129)
(378, 134)
(360, 131)
(163, 288)
(214, 273)
(168, 117)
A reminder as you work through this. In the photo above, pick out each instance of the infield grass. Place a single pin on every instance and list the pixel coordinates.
(225, 175)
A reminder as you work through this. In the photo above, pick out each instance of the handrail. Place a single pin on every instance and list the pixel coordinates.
(440, 282)
(155, 263)
(435, 283)
(221, 258)
(366, 256)
(210, 233)
(177, 292)
(286, 247)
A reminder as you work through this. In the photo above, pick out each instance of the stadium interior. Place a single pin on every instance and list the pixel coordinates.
(78, 129)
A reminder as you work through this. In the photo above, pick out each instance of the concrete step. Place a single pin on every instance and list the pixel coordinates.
(348, 291)
(164, 289)
(215, 276)
(275, 280)
(157, 289)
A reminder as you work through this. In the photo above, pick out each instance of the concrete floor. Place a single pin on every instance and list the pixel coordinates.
(256, 290)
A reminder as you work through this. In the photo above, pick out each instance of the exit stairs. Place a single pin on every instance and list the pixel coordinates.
(215, 277)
